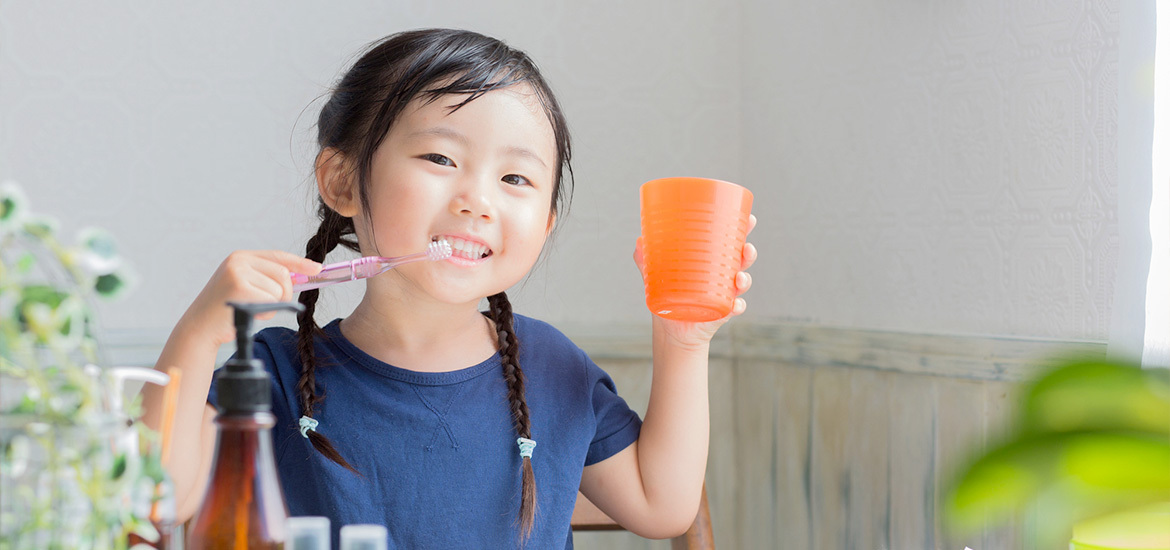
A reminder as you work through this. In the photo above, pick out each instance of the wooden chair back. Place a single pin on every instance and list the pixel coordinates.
(587, 517)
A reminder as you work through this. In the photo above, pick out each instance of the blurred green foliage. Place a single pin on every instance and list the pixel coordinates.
(1090, 438)
(64, 480)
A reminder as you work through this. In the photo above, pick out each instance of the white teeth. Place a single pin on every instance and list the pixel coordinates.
(467, 249)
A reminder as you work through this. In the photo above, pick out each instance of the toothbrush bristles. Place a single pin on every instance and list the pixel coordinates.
(439, 250)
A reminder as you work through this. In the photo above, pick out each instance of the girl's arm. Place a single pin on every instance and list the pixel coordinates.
(192, 347)
(653, 487)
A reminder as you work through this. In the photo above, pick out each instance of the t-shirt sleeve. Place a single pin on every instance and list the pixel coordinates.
(617, 425)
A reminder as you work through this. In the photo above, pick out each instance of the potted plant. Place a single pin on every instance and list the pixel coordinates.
(69, 475)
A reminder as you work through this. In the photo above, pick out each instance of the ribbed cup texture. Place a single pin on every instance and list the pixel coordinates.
(693, 232)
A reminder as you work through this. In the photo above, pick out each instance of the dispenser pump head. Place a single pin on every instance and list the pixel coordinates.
(245, 314)
(244, 387)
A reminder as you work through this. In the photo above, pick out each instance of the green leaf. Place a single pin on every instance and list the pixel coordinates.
(1140, 527)
(13, 205)
(27, 405)
(7, 208)
(1074, 474)
(1118, 461)
(1097, 395)
(119, 467)
(25, 263)
(42, 227)
(153, 469)
(109, 285)
(43, 294)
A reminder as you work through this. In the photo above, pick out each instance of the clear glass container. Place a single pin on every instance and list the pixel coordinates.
(62, 484)
(364, 536)
(307, 533)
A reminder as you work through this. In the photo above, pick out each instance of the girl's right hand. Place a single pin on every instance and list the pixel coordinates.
(245, 276)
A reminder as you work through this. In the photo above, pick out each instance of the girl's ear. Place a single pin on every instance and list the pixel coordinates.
(335, 184)
(552, 222)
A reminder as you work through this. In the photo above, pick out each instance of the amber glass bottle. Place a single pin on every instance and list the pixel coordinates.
(243, 508)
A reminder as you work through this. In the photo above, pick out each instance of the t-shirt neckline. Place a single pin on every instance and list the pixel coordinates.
(336, 338)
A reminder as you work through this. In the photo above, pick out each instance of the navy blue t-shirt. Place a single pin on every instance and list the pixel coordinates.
(437, 451)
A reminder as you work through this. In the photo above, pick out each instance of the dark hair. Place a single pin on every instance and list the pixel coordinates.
(356, 119)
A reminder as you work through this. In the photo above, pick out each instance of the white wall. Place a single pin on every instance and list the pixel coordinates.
(186, 129)
(918, 166)
(945, 166)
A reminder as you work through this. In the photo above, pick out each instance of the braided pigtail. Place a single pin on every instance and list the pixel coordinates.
(501, 313)
(328, 236)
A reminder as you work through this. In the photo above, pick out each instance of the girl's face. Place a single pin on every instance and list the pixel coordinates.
(481, 177)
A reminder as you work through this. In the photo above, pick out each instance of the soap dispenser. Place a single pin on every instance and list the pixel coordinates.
(160, 509)
(244, 506)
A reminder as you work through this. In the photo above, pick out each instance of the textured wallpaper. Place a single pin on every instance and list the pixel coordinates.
(944, 166)
(929, 166)
(186, 129)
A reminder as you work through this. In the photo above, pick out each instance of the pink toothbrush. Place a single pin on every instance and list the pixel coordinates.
(368, 266)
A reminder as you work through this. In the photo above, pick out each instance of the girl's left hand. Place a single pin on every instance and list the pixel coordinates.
(690, 334)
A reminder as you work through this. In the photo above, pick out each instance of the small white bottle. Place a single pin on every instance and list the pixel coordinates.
(307, 533)
(364, 536)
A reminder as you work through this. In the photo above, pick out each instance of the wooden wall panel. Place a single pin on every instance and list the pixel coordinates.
(999, 403)
(830, 476)
(837, 438)
(959, 427)
(722, 485)
(755, 427)
(773, 412)
(791, 460)
(869, 459)
(911, 449)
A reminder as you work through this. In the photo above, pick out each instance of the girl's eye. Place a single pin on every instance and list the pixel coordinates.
(515, 179)
(438, 159)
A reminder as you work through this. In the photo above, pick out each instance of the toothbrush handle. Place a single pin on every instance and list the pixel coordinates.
(339, 272)
(352, 270)
(391, 263)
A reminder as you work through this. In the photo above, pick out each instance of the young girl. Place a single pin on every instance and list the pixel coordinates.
(455, 428)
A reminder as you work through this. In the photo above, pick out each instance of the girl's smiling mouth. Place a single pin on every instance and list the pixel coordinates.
(465, 249)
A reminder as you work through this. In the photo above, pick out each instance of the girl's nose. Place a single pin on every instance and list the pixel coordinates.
(474, 200)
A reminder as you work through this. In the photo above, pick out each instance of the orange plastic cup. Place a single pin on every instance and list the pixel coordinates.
(693, 232)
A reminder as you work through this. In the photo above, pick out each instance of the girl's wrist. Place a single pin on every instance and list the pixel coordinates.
(680, 337)
(196, 327)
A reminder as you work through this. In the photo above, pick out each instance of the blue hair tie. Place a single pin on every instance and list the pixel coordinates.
(526, 446)
(306, 425)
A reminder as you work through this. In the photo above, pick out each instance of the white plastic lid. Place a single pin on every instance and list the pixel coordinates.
(308, 533)
(364, 536)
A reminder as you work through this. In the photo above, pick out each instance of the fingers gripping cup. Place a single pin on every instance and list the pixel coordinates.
(693, 233)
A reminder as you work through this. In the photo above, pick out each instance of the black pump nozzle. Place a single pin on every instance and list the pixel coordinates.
(244, 387)
(245, 314)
